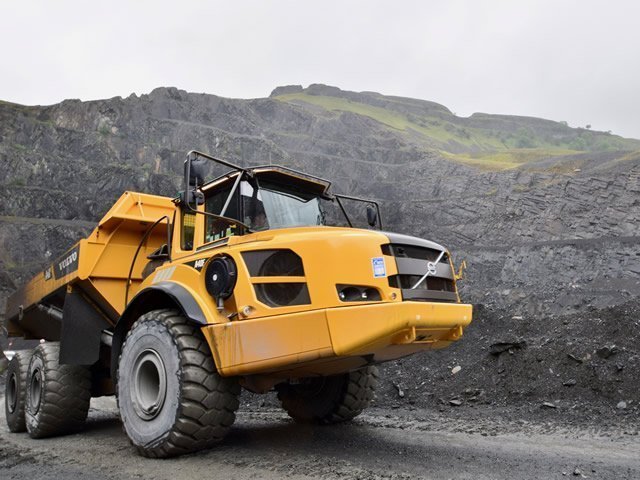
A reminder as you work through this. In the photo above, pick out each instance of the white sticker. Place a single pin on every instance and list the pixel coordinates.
(378, 267)
(163, 275)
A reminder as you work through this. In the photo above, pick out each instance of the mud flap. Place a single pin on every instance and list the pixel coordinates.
(82, 327)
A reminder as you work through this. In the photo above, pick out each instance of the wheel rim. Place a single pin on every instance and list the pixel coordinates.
(35, 391)
(149, 384)
(12, 393)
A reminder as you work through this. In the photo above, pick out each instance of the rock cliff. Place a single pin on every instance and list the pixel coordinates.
(547, 216)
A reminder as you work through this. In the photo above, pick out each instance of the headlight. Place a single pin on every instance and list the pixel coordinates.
(358, 293)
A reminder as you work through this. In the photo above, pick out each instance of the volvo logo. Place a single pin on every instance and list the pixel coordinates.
(69, 260)
(68, 264)
(432, 269)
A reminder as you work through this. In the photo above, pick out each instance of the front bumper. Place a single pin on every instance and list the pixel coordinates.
(303, 342)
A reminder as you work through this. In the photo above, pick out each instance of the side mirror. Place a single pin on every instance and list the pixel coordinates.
(372, 215)
(197, 172)
(194, 174)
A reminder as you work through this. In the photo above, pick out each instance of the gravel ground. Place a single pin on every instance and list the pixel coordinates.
(580, 368)
(534, 398)
(380, 444)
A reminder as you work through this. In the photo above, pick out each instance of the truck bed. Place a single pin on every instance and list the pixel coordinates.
(98, 266)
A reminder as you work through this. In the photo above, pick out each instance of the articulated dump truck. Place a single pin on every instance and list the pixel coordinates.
(174, 305)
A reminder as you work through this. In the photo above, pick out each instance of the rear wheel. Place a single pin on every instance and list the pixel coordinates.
(15, 390)
(171, 398)
(57, 395)
(333, 399)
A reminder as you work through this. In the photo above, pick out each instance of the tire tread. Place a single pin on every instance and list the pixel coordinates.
(345, 397)
(20, 364)
(66, 394)
(208, 402)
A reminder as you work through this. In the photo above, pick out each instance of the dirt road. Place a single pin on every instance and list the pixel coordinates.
(380, 444)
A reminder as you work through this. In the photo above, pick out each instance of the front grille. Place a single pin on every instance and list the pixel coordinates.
(430, 283)
(413, 251)
(413, 262)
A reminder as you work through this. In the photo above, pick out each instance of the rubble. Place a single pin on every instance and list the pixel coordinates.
(506, 346)
(607, 351)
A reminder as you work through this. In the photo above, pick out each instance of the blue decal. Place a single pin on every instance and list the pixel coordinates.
(378, 267)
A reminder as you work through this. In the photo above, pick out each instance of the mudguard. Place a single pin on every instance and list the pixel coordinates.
(159, 295)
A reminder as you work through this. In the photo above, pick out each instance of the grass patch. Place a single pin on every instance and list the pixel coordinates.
(434, 130)
(507, 159)
(500, 148)
(17, 182)
(20, 147)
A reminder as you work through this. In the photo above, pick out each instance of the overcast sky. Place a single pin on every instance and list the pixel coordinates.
(577, 61)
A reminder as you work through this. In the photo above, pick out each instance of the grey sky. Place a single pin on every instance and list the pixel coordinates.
(565, 60)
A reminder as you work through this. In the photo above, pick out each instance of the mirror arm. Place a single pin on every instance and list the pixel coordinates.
(344, 212)
(357, 199)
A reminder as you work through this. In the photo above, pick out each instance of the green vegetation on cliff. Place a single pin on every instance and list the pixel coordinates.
(494, 142)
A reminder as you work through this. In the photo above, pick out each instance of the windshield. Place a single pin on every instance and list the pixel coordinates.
(272, 206)
(275, 206)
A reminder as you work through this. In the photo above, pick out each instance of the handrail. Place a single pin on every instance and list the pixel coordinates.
(142, 240)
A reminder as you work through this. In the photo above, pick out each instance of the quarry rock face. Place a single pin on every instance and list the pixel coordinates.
(558, 233)
(546, 216)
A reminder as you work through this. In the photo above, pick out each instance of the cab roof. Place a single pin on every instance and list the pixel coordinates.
(279, 175)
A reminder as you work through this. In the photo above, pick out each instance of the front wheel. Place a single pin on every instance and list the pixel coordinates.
(171, 398)
(332, 399)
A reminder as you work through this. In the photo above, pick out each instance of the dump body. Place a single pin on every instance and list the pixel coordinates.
(98, 266)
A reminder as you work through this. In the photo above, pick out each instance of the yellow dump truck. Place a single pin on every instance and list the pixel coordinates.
(174, 305)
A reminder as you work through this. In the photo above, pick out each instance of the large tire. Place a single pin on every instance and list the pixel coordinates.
(333, 399)
(171, 398)
(15, 390)
(58, 396)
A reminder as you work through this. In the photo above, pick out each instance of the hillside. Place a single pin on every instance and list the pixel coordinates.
(483, 140)
(547, 216)
(568, 197)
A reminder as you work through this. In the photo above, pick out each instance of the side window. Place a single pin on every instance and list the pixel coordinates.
(188, 230)
(216, 229)
(253, 208)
